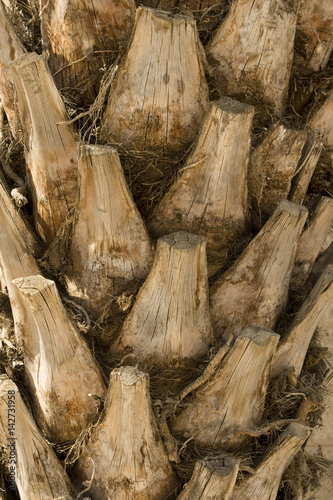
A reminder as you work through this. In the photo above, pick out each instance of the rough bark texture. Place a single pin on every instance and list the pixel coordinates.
(38, 472)
(156, 103)
(55, 358)
(110, 246)
(254, 290)
(52, 155)
(209, 197)
(232, 400)
(244, 48)
(170, 320)
(125, 449)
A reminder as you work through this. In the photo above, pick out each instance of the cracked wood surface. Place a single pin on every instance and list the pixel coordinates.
(322, 120)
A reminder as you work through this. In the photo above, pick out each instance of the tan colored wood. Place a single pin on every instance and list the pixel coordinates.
(305, 168)
(11, 48)
(125, 449)
(254, 290)
(209, 197)
(272, 167)
(170, 320)
(80, 36)
(38, 473)
(322, 120)
(311, 242)
(294, 346)
(245, 50)
(315, 21)
(61, 373)
(109, 247)
(264, 484)
(233, 398)
(211, 480)
(157, 103)
(52, 155)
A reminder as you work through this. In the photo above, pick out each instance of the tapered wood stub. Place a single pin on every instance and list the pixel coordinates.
(110, 246)
(311, 242)
(156, 103)
(60, 371)
(52, 155)
(211, 480)
(170, 320)
(76, 60)
(272, 168)
(11, 48)
(294, 346)
(254, 290)
(38, 473)
(210, 195)
(233, 399)
(248, 64)
(264, 484)
(125, 449)
(322, 120)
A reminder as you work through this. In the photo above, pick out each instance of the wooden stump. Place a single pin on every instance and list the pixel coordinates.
(210, 195)
(322, 120)
(254, 290)
(109, 247)
(244, 49)
(29, 460)
(61, 373)
(124, 454)
(294, 346)
(311, 242)
(264, 484)
(232, 400)
(80, 37)
(170, 320)
(272, 168)
(11, 48)
(52, 155)
(211, 480)
(155, 102)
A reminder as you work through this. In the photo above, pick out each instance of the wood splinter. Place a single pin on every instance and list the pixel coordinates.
(125, 449)
(109, 248)
(62, 375)
(233, 398)
(38, 472)
(170, 320)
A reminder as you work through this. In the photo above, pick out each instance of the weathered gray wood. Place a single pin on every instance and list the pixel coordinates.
(155, 102)
(125, 450)
(254, 290)
(233, 398)
(109, 248)
(61, 373)
(170, 320)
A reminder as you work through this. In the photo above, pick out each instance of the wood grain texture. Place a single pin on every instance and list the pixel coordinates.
(322, 120)
(60, 371)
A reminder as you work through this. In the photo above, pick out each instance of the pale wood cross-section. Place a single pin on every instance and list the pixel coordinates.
(272, 167)
(232, 400)
(62, 375)
(254, 290)
(170, 319)
(79, 37)
(109, 248)
(264, 484)
(39, 474)
(311, 242)
(125, 451)
(211, 480)
(52, 155)
(210, 195)
(322, 120)
(11, 48)
(292, 350)
(159, 96)
(245, 50)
